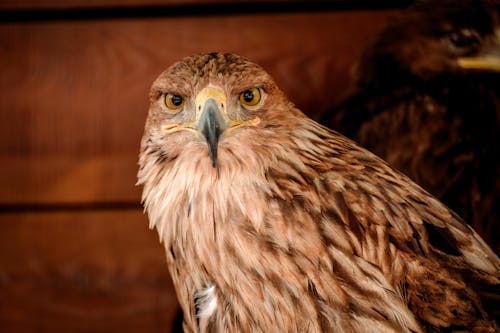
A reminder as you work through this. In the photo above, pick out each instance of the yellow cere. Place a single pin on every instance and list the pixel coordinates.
(213, 92)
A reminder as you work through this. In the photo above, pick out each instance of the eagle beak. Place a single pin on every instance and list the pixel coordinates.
(488, 59)
(211, 125)
(485, 63)
(211, 118)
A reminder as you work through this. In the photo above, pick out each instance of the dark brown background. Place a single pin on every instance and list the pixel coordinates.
(76, 254)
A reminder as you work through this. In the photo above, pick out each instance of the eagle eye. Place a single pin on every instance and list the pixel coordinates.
(174, 102)
(250, 97)
(463, 38)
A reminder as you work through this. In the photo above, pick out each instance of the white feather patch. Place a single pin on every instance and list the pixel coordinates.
(206, 302)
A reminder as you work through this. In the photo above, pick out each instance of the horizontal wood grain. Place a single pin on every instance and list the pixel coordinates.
(83, 272)
(43, 4)
(73, 95)
(29, 181)
(81, 4)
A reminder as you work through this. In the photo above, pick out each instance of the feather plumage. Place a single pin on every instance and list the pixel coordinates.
(427, 114)
(297, 228)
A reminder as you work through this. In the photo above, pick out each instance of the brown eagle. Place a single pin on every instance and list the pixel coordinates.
(427, 101)
(273, 223)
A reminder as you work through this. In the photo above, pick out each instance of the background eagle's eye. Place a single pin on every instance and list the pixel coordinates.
(250, 97)
(464, 38)
(174, 102)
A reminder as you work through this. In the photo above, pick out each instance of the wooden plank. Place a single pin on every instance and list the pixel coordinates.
(83, 272)
(73, 95)
(36, 4)
(79, 4)
(44, 4)
(66, 178)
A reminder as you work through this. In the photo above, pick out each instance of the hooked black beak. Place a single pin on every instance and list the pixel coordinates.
(211, 125)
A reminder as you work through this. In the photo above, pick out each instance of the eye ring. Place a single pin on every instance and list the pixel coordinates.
(251, 97)
(174, 102)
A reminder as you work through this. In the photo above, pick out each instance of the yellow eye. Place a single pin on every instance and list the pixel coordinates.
(174, 102)
(250, 97)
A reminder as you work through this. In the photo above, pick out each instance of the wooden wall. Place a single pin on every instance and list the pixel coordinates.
(76, 254)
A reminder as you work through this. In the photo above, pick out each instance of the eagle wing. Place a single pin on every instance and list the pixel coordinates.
(364, 209)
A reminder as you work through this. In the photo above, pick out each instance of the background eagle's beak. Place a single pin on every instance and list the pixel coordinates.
(485, 63)
(488, 58)
(211, 125)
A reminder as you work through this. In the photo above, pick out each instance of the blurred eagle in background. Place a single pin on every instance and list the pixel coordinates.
(274, 223)
(427, 101)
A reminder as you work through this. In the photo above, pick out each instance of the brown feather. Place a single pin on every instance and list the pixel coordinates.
(437, 122)
(298, 229)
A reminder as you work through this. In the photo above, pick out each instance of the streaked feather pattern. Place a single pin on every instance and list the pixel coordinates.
(299, 229)
(417, 108)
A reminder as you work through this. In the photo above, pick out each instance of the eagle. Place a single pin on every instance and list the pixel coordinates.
(272, 222)
(427, 100)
